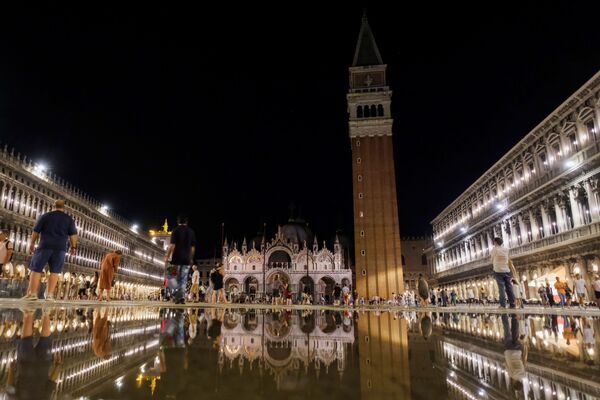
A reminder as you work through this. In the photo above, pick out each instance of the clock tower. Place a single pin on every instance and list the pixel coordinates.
(376, 229)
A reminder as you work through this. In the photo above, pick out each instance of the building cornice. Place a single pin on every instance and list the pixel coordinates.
(580, 96)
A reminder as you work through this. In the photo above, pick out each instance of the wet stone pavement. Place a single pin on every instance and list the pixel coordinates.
(162, 353)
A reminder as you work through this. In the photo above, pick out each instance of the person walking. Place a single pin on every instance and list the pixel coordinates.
(109, 266)
(346, 294)
(276, 286)
(580, 288)
(453, 297)
(470, 296)
(181, 253)
(444, 298)
(502, 273)
(211, 286)
(550, 294)
(543, 295)
(337, 292)
(423, 289)
(94, 284)
(517, 293)
(6, 250)
(218, 293)
(53, 229)
(195, 290)
(561, 288)
(287, 294)
(202, 290)
(596, 286)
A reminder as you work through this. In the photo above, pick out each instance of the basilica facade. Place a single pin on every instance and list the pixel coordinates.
(294, 255)
(541, 198)
(28, 190)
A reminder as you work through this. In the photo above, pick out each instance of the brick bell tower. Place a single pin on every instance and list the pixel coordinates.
(376, 229)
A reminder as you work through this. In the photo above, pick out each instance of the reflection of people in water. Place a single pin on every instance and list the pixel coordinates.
(515, 351)
(101, 334)
(425, 326)
(173, 354)
(215, 318)
(35, 372)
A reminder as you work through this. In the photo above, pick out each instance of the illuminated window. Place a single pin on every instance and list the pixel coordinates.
(362, 214)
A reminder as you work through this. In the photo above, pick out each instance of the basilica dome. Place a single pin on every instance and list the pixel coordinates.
(297, 231)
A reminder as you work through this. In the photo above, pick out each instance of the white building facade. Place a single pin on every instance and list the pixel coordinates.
(252, 270)
(28, 190)
(541, 198)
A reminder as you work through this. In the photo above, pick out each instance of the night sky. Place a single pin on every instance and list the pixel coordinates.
(230, 115)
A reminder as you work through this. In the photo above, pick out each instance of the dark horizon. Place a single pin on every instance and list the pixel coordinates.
(232, 118)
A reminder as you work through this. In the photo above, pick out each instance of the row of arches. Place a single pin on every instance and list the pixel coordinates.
(559, 212)
(369, 111)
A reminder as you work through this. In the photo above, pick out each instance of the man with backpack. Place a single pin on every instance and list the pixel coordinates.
(6, 250)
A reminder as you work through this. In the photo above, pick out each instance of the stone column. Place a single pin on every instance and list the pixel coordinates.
(591, 187)
(575, 207)
(504, 233)
(535, 230)
(521, 220)
(513, 232)
(547, 224)
(526, 283)
(559, 205)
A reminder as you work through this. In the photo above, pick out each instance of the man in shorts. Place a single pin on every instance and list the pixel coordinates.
(580, 288)
(53, 229)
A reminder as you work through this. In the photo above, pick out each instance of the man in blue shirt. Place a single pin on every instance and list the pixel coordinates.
(182, 248)
(53, 229)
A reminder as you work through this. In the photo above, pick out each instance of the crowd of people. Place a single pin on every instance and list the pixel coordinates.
(57, 234)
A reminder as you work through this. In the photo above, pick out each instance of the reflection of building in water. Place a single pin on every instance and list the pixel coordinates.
(570, 339)
(294, 255)
(384, 356)
(28, 190)
(542, 198)
(286, 344)
(132, 336)
(475, 365)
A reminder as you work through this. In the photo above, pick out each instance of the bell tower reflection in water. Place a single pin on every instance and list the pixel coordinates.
(384, 357)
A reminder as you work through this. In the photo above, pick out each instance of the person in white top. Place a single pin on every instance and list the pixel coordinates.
(517, 292)
(470, 296)
(502, 273)
(596, 285)
(195, 290)
(580, 288)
